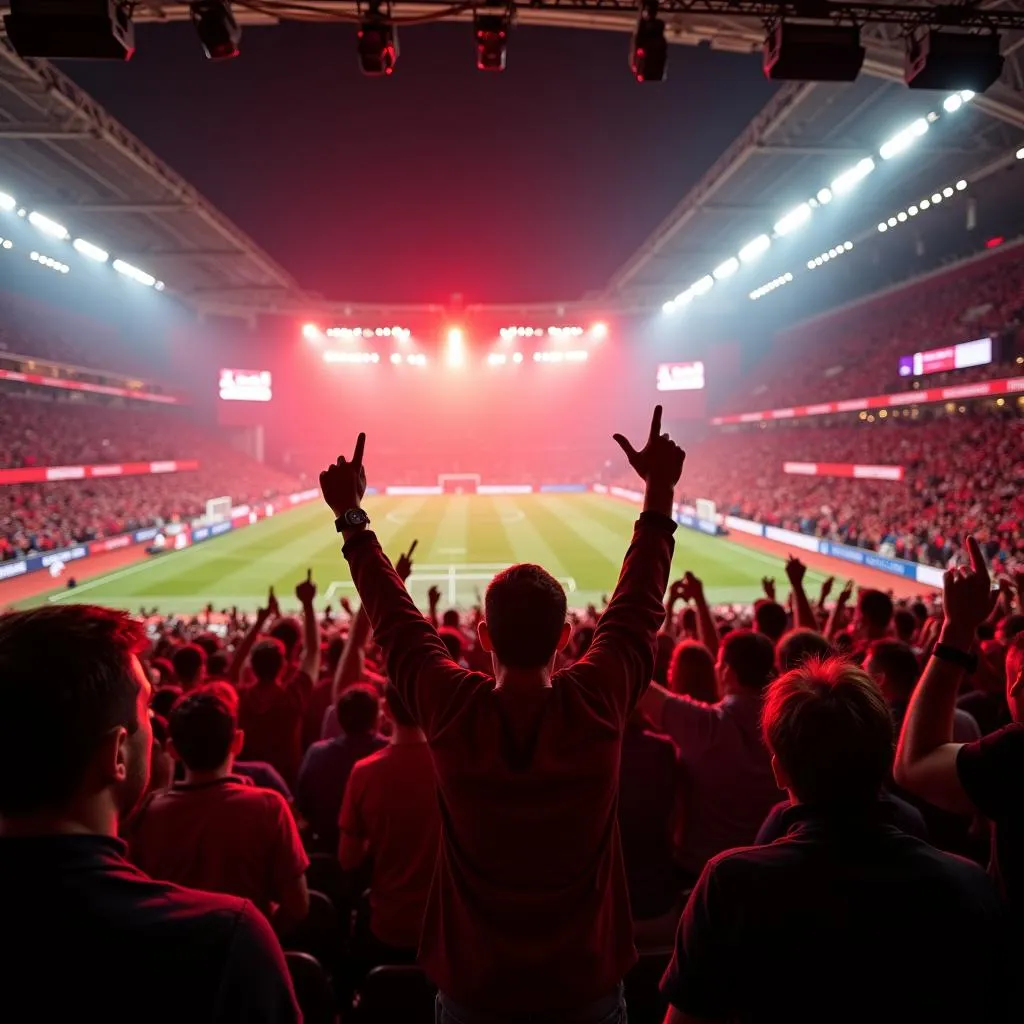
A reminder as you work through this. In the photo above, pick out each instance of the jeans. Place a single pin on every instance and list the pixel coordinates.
(609, 1010)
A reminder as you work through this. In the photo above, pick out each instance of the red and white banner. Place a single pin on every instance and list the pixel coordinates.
(956, 392)
(843, 469)
(44, 474)
(81, 385)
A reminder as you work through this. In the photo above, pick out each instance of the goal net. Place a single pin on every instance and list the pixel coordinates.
(458, 483)
(218, 510)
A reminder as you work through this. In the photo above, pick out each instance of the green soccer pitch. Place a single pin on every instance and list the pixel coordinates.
(463, 541)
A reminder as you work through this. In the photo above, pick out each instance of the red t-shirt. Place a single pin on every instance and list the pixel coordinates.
(271, 717)
(391, 802)
(226, 836)
(529, 910)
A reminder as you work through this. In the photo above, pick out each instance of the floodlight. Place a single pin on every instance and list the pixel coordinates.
(882, 226)
(726, 269)
(648, 53)
(139, 276)
(849, 179)
(903, 139)
(311, 332)
(796, 217)
(952, 103)
(891, 222)
(947, 192)
(824, 196)
(217, 28)
(490, 29)
(599, 330)
(912, 210)
(925, 204)
(703, 286)
(684, 298)
(517, 357)
(755, 248)
(668, 307)
(7, 202)
(936, 198)
(455, 350)
(901, 217)
(88, 29)
(961, 185)
(47, 226)
(377, 43)
(93, 252)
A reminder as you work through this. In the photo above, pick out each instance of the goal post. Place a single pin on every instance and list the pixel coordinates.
(458, 483)
(218, 510)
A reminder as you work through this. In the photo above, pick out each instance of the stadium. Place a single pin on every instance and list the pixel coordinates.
(797, 231)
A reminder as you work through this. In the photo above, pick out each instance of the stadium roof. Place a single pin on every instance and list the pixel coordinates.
(61, 153)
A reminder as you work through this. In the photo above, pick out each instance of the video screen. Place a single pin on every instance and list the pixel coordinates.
(681, 376)
(245, 386)
(952, 357)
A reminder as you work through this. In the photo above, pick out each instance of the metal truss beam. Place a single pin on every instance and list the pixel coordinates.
(112, 208)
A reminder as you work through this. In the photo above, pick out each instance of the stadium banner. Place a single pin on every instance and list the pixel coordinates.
(694, 523)
(925, 396)
(568, 489)
(930, 576)
(412, 490)
(796, 540)
(504, 489)
(81, 385)
(846, 469)
(626, 494)
(51, 474)
(871, 559)
(600, 488)
(744, 526)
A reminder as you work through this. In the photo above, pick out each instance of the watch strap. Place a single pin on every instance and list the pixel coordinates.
(962, 659)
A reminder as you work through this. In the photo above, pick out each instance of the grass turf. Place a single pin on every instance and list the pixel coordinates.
(463, 541)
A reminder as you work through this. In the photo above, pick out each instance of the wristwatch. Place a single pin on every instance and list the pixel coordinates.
(351, 519)
(962, 659)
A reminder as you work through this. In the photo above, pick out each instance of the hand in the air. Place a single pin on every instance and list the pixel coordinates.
(795, 571)
(660, 461)
(693, 588)
(404, 564)
(273, 609)
(306, 590)
(967, 594)
(768, 586)
(344, 483)
(434, 596)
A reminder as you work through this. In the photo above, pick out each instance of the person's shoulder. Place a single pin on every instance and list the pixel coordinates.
(371, 765)
(175, 908)
(743, 862)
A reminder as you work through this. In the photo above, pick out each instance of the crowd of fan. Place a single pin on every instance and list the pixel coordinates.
(525, 802)
(854, 354)
(963, 475)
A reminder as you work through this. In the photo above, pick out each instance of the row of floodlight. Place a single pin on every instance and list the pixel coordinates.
(925, 204)
(799, 215)
(822, 258)
(56, 230)
(767, 289)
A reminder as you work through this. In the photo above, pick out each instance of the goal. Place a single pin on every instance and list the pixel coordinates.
(218, 510)
(458, 483)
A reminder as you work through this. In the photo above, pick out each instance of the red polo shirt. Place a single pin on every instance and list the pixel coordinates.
(528, 910)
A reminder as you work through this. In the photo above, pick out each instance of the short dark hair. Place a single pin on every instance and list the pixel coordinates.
(218, 665)
(397, 708)
(797, 646)
(452, 639)
(898, 662)
(358, 709)
(830, 728)
(875, 607)
(66, 680)
(451, 618)
(333, 651)
(771, 619)
(203, 726)
(751, 656)
(904, 623)
(189, 662)
(268, 660)
(692, 672)
(164, 699)
(209, 643)
(289, 632)
(688, 620)
(525, 609)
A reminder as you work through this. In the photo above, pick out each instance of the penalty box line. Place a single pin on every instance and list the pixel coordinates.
(451, 576)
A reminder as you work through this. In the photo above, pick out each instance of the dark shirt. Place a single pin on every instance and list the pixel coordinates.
(813, 927)
(647, 797)
(991, 771)
(265, 775)
(271, 717)
(322, 781)
(528, 911)
(893, 810)
(90, 937)
(989, 710)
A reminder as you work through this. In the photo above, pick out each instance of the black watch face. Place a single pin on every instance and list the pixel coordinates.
(356, 517)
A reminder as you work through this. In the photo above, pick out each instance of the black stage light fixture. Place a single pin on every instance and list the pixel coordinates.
(952, 61)
(71, 29)
(217, 28)
(490, 29)
(378, 43)
(648, 53)
(804, 52)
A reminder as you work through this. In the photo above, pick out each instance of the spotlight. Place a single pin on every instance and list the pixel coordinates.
(311, 332)
(218, 31)
(938, 59)
(377, 43)
(599, 330)
(455, 350)
(799, 52)
(94, 29)
(648, 56)
(491, 27)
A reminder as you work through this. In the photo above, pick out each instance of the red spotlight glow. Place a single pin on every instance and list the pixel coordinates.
(994, 243)
(455, 350)
(311, 332)
(599, 331)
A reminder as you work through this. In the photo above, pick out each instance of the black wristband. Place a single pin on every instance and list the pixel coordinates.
(659, 519)
(962, 659)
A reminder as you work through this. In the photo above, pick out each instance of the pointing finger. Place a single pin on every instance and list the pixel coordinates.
(357, 455)
(309, 575)
(625, 446)
(977, 561)
(412, 548)
(656, 424)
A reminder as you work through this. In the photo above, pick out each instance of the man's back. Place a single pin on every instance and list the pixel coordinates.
(223, 836)
(87, 935)
(271, 718)
(862, 921)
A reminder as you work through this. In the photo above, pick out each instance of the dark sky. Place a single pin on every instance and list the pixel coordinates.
(530, 185)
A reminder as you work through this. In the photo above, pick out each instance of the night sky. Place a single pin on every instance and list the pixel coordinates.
(530, 185)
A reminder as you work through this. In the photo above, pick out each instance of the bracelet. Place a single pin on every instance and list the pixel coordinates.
(962, 659)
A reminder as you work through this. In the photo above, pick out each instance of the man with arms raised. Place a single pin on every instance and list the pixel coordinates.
(528, 915)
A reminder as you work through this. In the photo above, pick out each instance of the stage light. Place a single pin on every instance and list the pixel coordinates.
(139, 276)
(7, 202)
(849, 179)
(903, 139)
(648, 57)
(951, 104)
(937, 59)
(936, 198)
(703, 286)
(73, 29)
(901, 217)
(396, 358)
(517, 357)
(47, 226)
(882, 226)
(93, 252)
(755, 248)
(491, 27)
(726, 269)
(684, 298)
(217, 28)
(824, 196)
(599, 330)
(961, 185)
(455, 351)
(912, 210)
(311, 332)
(796, 217)
(800, 52)
(947, 192)
(377, 43)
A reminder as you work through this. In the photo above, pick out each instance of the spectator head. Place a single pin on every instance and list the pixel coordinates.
(664, 648)
(398, 711)
(451, 619)
(164, 699)
(830, 734)
(894, 666)
(797, 646)
(217, 665)
(746, 662)
(227, 693)
(332, 655)
(1015, 678)
(268, 660)
(358, 710)
(692, 672)
(204, 731)
(904, 625)
(920, 612)
(289, 632)
(209, 643)
(452, 639)
(771, 619)
(164, 669)
(874, 613)
(190, 666)
(524, 622)
(688, 622)
(1010, 627)
(75, 733)
(161, 761)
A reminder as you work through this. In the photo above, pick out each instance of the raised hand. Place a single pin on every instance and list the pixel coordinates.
(826, 589)
(344, 483)
(306, 590)
(434, 596)
(273, 609)
(660, 461)
(693, 588)
(967, 595)
(675, 592)
(404, 564)
(768, 586)
(795, 571)
(845, 594)
(346, 607)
